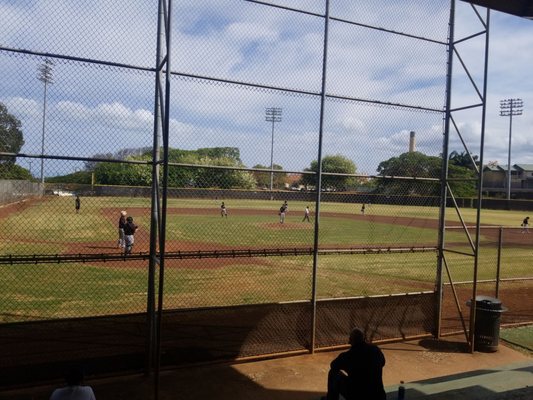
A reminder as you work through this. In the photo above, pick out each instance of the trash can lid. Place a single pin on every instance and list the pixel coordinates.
(488, 303)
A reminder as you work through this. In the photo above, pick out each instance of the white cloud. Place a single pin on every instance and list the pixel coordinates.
(248, 42)
(23, 108)
(353, 124)
(247, 31)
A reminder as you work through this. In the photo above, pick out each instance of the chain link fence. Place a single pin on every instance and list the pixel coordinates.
(303, 163)
(503, 272)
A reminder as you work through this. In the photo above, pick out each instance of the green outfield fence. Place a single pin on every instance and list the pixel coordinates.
(166, 110)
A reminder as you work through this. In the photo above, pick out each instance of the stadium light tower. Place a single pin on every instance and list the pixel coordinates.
(46, 77)
(509, 108)
(272, 114)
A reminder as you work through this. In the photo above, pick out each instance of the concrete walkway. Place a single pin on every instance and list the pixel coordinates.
(513, 381)
(433, 370)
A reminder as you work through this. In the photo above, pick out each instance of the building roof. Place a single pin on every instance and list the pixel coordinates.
(524, 167)
(521, 8)
(514, 167)
(504, 167)
(492, 168)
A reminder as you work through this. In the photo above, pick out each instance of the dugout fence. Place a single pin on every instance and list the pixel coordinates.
(166, 109)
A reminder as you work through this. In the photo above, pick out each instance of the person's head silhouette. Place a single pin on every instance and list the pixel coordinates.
(357, 336)
(74, 376)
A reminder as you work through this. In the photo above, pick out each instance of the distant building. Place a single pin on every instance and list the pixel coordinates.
(495, 179)
(524, 175)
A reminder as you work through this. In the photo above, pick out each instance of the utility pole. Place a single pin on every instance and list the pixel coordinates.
(508, 108)
(46, 77)
(272, 114)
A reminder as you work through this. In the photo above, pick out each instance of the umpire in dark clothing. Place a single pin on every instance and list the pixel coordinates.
(357, 374)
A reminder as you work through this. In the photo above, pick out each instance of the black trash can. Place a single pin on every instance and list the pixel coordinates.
(487, 331)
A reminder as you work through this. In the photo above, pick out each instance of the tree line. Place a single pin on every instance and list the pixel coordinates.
(11, 141)
(222, 167)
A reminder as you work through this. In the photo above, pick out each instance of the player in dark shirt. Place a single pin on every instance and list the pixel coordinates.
(358, 372)
(282, 211)
(525, 225)
(129, 231)
(121, 225)
(77, 204)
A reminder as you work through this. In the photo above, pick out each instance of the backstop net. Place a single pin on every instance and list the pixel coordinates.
(290, 166)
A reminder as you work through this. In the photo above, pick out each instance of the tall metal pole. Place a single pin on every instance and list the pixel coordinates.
(319, 181)
(444, 172)
(480, 185)
(164, 190)
(499, 263)
(272, 114)
(508, 108)
(155, 205)
(45, 76)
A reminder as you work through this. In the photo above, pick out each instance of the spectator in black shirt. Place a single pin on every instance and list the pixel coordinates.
(358, 372)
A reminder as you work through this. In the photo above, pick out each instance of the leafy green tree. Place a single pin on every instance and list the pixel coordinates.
(11, 141)
(91, 165)
(79, 177)
(187, 176)
(462, 181)
(222, 178)
(419, 165)
(112, 173)
(332, 164)
(108, 173)
(232, 153)
(263, 178)
(411, 164)
(182, 176)
(11, 137)
(14, 172)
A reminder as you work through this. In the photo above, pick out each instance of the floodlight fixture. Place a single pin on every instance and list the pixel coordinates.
(46, 76)
(510, 108)
(272, 114)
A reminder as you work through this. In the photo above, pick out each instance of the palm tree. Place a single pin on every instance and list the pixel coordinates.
(463, 159)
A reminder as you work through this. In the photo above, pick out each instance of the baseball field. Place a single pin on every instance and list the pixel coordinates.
(50, 226)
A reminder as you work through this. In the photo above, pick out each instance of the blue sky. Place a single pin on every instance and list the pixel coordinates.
(103, 109)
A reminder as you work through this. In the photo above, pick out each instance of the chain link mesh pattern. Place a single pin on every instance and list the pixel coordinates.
(91, 119)
(503, 273)
(246, 127)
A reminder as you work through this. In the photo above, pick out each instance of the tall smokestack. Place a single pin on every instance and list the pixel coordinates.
(412, 142)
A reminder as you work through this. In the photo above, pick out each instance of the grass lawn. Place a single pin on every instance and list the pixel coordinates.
(520, 338)
(50, 226)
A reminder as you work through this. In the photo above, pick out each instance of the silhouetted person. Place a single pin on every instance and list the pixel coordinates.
(525, 225)
(357, 374)
(74, 389)
(77, 204)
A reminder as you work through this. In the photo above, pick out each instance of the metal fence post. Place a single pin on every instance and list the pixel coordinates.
(498, 265)
(319, 181)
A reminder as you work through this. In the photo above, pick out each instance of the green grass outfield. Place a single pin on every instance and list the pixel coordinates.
(50, 226)
(520, 337)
